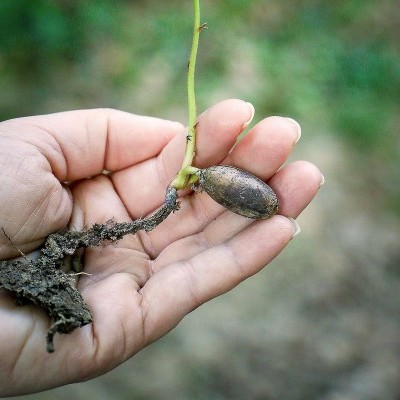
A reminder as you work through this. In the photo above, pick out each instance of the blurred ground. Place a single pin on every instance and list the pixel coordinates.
(323, 320)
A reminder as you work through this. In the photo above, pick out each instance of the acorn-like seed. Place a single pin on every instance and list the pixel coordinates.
(238, 191)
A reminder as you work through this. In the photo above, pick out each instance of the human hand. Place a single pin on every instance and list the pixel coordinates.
(141, 287)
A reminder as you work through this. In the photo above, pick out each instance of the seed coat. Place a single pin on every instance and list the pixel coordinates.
(238, 191)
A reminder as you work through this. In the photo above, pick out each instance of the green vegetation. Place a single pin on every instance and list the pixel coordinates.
(337, 61)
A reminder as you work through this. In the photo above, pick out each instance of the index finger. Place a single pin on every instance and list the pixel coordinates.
(82, 143)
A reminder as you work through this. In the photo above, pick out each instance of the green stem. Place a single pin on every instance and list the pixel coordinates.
(182, 178)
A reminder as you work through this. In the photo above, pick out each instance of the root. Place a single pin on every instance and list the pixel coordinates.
(44, 283)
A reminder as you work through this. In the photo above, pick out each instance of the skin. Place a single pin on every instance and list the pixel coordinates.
(140, 288)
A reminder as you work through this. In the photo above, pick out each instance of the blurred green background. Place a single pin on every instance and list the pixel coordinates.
(323, 321)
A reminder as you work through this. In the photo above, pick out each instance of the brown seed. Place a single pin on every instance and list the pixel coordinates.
(238, 191)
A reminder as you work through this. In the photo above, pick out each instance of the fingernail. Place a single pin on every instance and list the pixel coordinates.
(296, 227)
(298, 129)
(252, 112)
(322, 180)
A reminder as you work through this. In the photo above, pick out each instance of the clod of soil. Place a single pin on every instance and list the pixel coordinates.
(43, 282)
(238, 191)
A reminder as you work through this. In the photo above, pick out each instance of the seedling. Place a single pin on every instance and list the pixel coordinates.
(43, 281)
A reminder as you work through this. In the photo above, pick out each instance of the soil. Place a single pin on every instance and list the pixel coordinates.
(43, 282)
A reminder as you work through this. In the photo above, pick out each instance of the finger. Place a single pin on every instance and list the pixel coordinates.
(262, 152)
(142, 187)
(181, 287)
(83, 143)
(296, 185)
(266, 147)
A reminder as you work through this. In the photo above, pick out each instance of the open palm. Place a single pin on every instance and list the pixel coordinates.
(138, 289)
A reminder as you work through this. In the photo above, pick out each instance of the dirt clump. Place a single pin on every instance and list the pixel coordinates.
(44, 283)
